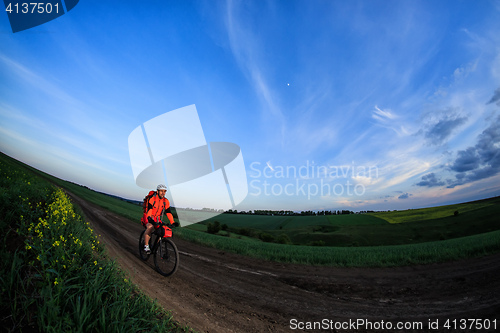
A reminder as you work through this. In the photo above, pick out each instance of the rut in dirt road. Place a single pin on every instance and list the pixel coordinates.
(215, 291)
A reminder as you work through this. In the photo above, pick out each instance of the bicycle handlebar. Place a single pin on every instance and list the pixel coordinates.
(151, 220)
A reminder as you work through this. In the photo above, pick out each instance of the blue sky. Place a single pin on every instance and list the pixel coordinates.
(355, 105)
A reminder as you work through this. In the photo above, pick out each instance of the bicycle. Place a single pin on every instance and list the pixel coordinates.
(165, 253)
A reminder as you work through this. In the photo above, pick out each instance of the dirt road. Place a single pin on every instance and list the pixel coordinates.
(215, 291)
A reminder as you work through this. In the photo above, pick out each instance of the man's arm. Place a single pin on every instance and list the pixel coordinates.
(149, 209)
(170, 217)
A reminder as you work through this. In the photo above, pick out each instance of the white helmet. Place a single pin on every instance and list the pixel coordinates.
(161, 187)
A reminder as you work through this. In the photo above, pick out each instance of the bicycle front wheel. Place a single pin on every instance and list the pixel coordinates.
(166, 257)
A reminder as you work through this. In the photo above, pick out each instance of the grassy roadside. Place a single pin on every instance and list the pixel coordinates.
(54, 274)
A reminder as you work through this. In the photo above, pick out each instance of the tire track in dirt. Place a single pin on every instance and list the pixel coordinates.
(216, 291)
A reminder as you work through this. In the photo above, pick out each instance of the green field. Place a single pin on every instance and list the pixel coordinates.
(340, 240)
(375, 229)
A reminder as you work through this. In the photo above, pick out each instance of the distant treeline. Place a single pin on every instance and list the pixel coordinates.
(289, 212)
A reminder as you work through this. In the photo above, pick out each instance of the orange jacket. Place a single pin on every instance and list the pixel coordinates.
(156, 207)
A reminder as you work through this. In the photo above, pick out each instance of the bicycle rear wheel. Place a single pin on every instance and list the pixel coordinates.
(166, 257)
(144, 256)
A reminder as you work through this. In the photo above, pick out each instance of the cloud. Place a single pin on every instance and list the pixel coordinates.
(37, 81)
(430, 180)
(463, 72)
(495, 98)
(383, 115)
(467, 160)
(405, 195)
(388, 119)
(440, 125)
(480, 161)
(440, 131)
(248, 52)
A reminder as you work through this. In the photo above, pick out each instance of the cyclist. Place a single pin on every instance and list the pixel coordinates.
(156, 204)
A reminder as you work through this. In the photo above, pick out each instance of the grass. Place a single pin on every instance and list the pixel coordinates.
(54, 274)
(365, 256)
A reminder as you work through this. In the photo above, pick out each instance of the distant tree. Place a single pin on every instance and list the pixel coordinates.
(455, 213)
(266, 237)
(283, 239)
(245, 232)
(213, 228)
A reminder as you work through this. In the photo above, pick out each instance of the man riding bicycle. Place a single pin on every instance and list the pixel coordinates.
(156, 204)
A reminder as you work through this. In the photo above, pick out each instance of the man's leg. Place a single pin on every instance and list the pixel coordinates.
(147, 234)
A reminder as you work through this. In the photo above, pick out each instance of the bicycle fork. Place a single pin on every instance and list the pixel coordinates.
(163, 250)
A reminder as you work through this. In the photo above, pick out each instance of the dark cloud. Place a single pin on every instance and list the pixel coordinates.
(467, 160)
(405, 196)
(495, 98)
(480, 161)
(441, 130)
(430, 180)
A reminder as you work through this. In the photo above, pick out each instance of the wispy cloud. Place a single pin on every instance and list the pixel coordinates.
(461, 73)
(495, 98)
(383, 115)
(388, 119)
(401, 170)
(38, 151)
(29, 76)
(247, 50)
(61, 111)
